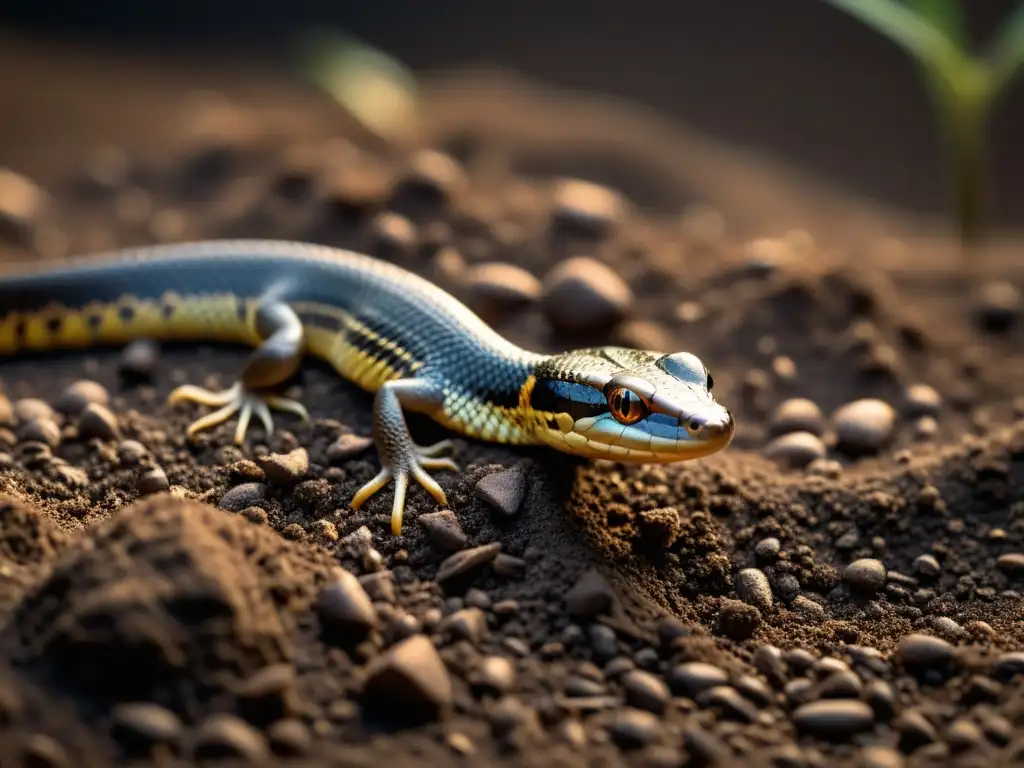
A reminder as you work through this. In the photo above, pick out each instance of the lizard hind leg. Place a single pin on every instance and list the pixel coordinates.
(273, 362)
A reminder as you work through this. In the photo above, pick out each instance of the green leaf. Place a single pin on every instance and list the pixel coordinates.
(1006, 53)
(946, 16)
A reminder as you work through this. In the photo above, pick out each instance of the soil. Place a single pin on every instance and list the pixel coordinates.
(850, 597)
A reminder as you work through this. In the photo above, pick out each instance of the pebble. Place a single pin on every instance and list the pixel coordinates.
(289, 737)
(1008, 666)
(603, 642)
(582, 295)
(879, 757)
(243, 496)
(131, 452)
(393, 235)
(509, 566)
(139, 725)
(693, 677)
(347, 446)
(807, 606)
(864, 426)
(998, 306)
(284, 470)
(465, 624)
(152, 481)
(840, 685)
(645, 691)
(1011, 563)
(925, 428)
(927, 566)
(865, 576)
(915, 730)
(881, 697)
(97, 421)
(634, 728)
(962, 735)
(796, 449)
(837, 719)
(40, 430)
(343, 604)
(29, 408)
(433, 176)
(467, 561)
(495, 289)
(586, 209)
(22, 203)
(924, 652)
(921, 400)
(752, 587)
(705, 747)
(139, 360)
(223, 737)
(729, 702)
(444, 529)
(590, 596)
(737, 620)
(786, 586)
(410, 678)
(768, 660)
(77, 396)
(947, 627)
(41, 751)
(754, 689)
(495, 675)
(503, 490)
(768, 549)
(798, 414)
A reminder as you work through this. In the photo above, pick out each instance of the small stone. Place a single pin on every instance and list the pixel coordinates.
(467, 561)
(754, 689)
(577, 687)
(840, 685)
(914, 729)
(753, 588)
(22, 204)
(798, 414)
(705, 748)
(582, 295)
(508, 566)
(131, 452)
(693, 677)
(737, 620)
(921, 400)
(786, 586)
(152, 481)
(243, 496)
(962, 735)
(634, 728)
(837, 719)
(97, 421)
(590, 596)
(379, 585)
(460, 744)
(29, 408)
(410, 679)
(466, 624)
(140, 725)
(324, 531)
(41, 751)
(40, 430)
(1008, 666)
(495, 675)
(393, 235)
(444, 530)
(433, 177)
(76, 397)
(924, 652)
(769, 662)
(503, 490)
(495, 289)
(645, 691)
(289, 737)
(810, 608)
(347, 446)
(881, 697)
(586, 209)
(1011, 563)
(796, 449)
(284, 470)
(343, 605)
(947, 627)
(603, 641)
(224, 737)
(998, 307)
(139, 360)
(927, 566)
(865, 576)
(767, 550)
(357, 543)
(864, 426)
(728, 701)
(880, 757)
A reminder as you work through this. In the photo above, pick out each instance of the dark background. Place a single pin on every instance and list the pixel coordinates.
(795, 78)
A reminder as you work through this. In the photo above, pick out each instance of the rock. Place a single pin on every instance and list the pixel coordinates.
(837, 719)
(503, 490)
(97, 421)
(798, 414)
(131, 452)
(343, 605)
(753, 588)
(582, 295)
(508, 566)
(394, 236)
(787, 587)
(914, 729)
(432, 177)
(737, 620)
(864, 426)
(243, 496)
(138, 726)
(39, 430)
(467, 561)
(947, 627)
(284, 470)
(224, 737)
(796, 449)
(152, 481)
(22, 205)
(494, 289)
(495, 675)
(1011, 563)
(30, 408)
(921, 400)
(728, 701)
(603, 641)
(693, 677)
(139, 360)
(998, 307)
(840, 685)
(586, 209)
(804, 604)
(866, 576)
(590, 596)
(924, 652)
(76, 397)
(289, 737)
(634, 728)
(767, 550)
(409, 680)
(927, 566)
(347, 446)
(466, 624)
(645, 691)
(1008, 666)
(444, 529)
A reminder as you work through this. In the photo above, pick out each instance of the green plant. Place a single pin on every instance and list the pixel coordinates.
(963, 87)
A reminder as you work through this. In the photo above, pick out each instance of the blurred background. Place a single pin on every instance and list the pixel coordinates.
(798, 81)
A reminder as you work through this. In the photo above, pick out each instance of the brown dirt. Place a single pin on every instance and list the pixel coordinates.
(108, 600)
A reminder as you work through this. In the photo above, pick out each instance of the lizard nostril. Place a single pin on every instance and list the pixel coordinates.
(695, 424)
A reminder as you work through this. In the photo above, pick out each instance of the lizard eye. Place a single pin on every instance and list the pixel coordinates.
(626, 405)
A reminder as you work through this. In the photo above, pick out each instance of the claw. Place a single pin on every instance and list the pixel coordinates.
(235, 399)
